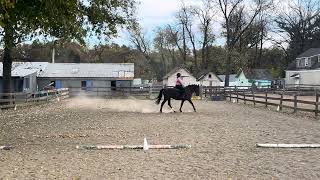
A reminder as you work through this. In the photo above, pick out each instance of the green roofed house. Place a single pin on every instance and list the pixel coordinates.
(254, 77)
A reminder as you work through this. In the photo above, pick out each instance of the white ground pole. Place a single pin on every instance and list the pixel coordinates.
(145, 146)
(5, 147)
(289, 145)
(100, 147)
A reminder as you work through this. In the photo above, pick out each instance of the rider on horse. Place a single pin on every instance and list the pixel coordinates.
(179, 84)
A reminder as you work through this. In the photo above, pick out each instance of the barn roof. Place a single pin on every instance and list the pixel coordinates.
(310, 52)
(72, 70)
(232, 77)
(174, 70)
(89, 70)
(203, 74)
(22, 69)
(258, 74)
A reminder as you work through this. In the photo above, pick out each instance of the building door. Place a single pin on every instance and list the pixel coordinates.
(113, 85)
(18, 85)
(89, 85)
(83, 85)
(58, 84)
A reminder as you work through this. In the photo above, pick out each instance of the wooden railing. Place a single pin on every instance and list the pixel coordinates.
(267, 98)
(143, 91)
(12, 100)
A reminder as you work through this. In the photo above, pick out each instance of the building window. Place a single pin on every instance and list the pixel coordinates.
(307, 61)
(27, 83)
(302, 62)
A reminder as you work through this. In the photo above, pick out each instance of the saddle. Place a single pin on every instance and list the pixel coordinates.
(181, 92)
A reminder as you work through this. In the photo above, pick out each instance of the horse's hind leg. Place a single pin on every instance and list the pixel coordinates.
(169, 103)
(181, 105)
(192, 105)
(163, 102)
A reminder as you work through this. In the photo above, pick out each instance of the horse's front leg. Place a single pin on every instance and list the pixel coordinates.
(192, 105)
(182, 101)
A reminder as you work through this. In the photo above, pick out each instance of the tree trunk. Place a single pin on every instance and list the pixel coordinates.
(228, 68)
(184, 45)
(229, 48)
(256, 61)
(7, 59)
(207, 57)
(261, 44)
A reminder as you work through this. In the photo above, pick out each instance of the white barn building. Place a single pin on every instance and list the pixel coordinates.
(170, 78)
(209, 79)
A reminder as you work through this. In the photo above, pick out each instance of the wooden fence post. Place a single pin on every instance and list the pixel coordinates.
(266, 98)
(317, 104)
(295, 103)
(254, 99)
(230, 94)
(150, 92)
(244, 97)
(210, 92)
(205, 92)
(237, 94)
(281, 102)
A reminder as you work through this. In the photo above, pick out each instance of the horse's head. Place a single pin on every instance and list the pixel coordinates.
(195, 89)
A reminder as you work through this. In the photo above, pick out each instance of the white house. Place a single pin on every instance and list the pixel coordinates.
(208, 78)
(305, 69)
(170, 78)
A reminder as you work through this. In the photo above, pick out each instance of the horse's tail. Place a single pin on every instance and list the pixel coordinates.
(159, 97)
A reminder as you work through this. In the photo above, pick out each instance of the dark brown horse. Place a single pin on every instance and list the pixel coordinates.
(174, 93)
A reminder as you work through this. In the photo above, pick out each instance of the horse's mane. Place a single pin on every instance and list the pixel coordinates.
(192, 85)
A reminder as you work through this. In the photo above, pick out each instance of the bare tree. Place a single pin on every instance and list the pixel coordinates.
(138, 38)
(228, 8)
(205, 16)
(176, 38)
(186, 19)
(300, 24)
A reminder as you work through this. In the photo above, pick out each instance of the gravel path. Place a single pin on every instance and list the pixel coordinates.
(223, 137)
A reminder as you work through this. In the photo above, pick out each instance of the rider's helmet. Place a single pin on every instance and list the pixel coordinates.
(178, 75)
